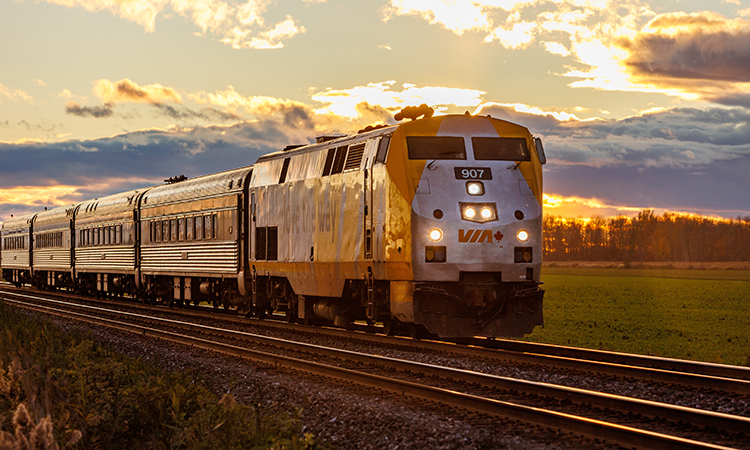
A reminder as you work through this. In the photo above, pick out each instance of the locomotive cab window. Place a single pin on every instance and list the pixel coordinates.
(436, 147)
(338, 162)
(500, 149)
(329, 161)
(284, 170)
(383, 148)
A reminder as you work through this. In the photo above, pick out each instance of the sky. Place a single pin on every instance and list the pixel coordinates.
(640, 103)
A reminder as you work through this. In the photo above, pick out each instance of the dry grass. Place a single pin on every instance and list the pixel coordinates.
(65, 391)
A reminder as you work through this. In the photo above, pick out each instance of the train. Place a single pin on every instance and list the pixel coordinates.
(431, 226)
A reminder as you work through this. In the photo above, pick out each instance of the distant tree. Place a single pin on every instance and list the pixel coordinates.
(646, 237)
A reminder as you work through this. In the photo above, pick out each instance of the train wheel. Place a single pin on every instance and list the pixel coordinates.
(416, 331)
(389, 327)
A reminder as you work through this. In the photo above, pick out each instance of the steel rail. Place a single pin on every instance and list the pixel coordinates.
(654, 409)
(628, 367)
(698, 367)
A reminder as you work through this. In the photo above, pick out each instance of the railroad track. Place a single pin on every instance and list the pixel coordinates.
(501, 397)
(694, 374)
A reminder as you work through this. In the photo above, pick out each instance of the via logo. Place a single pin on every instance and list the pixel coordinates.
(478, 236)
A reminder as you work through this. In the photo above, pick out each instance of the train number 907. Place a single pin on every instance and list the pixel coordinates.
(473, 173)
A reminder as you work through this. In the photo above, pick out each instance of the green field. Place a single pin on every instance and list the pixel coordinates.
(689, 314)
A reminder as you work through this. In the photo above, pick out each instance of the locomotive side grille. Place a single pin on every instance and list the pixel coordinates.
(273, 244)
(266, 243)
(354, 159)
(260, 243)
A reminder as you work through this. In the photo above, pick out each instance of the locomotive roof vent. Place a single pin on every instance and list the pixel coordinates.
(328, 137)
(292, 147)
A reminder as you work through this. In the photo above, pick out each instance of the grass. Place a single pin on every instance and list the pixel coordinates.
(696, 274)
(61, 390)
(688, 314)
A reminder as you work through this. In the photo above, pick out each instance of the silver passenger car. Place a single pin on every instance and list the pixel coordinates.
(16, 244)
(106, 244)
(192, 248)
(52, 247)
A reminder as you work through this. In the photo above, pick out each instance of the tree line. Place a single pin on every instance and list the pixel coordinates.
(646, 237)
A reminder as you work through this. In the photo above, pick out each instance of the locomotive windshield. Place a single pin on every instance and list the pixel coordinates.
(432, 147)
(500, 149)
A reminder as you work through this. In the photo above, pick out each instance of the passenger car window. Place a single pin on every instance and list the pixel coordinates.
(189, 228)
(181, 227)
(199, 228)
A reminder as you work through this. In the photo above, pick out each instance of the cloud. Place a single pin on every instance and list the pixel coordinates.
(678, 159)
(344, 102)
(240, 25)
(126, 90)
(665, 188)
(617, 45)
(291, 113)
(700, 52)
(156, 95)
(98, 112)
(586, 207)
(14, 94)
(682, 138)
(46, 195)
(458, 16)
(48, 174)
(270, 39)
(184, 113)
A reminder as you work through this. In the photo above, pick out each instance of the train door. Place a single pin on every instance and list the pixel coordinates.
(251, 243)
(242, 237)
(368, 213)
(371, 306)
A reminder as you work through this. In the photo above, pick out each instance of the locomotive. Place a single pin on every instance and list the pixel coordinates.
(432, 225)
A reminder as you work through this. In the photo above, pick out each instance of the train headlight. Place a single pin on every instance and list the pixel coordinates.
(475, 188)
(478, 212)
(436, 234)
(522, 235)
